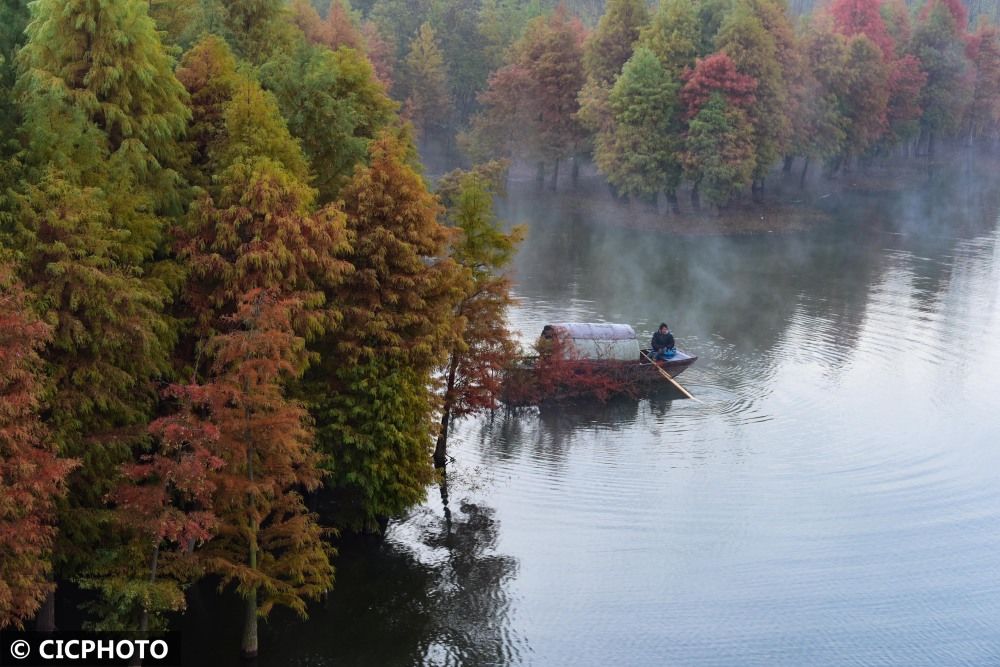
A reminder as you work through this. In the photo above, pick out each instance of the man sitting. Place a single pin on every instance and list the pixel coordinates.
(663, 344)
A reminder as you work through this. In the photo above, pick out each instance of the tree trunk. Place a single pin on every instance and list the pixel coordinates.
(441, 447)
(248, 647)
(575, 170)
(930, 144)
(46, 619)
(555, 176)
(540, 175)
(675, 206)
(787, 166)
(695, 198)
(802, 177)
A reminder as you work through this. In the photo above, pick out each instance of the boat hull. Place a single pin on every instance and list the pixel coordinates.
(533, 381)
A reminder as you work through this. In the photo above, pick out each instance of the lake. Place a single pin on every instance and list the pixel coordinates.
(833, 498)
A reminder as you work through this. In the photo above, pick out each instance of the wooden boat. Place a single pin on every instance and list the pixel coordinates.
(583, 359)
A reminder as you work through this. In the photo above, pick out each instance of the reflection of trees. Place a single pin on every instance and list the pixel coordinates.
(433, 593)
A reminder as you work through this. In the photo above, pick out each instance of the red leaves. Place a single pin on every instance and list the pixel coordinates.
(31, 476)
(854, 17)
(716, 74)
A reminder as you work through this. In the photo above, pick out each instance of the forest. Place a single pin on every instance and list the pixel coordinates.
(236, 315)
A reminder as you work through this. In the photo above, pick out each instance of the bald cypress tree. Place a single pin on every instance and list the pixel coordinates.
(638, 152)
(103, 114)
(31, 475)
(605, 52)
(745, 38)
(104, 61)
(428, 100)
(673, 35)
(372, 394)
(262, 259)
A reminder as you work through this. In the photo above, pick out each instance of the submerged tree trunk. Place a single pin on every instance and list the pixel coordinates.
(441, 447)
(248, 647)
(787, 166)
(144, 616)
(802, 177)
(46, 619)
(695, 198)
(675, 206)
(555, 176)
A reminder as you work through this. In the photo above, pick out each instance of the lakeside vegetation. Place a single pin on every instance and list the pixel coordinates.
(228, 298)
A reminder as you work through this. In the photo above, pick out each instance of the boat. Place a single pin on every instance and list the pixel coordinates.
(577, 359)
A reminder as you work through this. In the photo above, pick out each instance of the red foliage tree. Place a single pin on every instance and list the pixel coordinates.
(863, 17)
(983, 51)
(31, 476)
(380, 51)
(267, 543)
(716, 74)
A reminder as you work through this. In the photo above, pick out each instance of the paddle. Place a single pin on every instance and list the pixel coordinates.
(669, 377)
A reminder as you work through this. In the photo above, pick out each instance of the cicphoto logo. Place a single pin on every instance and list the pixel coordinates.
(29, 649)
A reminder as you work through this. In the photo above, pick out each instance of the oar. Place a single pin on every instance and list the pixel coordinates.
(669, 377)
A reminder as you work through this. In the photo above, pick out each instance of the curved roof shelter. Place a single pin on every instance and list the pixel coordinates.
(600, 340)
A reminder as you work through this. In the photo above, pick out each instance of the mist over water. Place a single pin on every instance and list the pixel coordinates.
(832, 500)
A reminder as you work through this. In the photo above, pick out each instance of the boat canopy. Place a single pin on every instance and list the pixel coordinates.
(598, 341)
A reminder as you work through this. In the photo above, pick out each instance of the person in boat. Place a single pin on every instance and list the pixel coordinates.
(662, 345)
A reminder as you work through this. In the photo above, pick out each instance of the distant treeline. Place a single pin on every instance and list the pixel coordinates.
(233, 317)
(713, 93)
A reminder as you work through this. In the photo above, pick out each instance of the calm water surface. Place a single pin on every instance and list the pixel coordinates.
(832, 500)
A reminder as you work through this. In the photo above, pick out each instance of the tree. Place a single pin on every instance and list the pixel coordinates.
(863, 17)
(551, 50)
(164, 503)
(639, 153)
(457, 34)
(267, 545)
(501, 23)
(333, 104)
(261, 262)
(105, 62)
(258, 28)
(343, 29)
(474, 368)
(753, 49)
(983, 50)
(428, 101)
(13, 20)
(530, 106)
(716, 74)
(506, 126)
(110, 343)
(371, 393)
(606, 50)
(610, 45)
(938, 45)
(819, 126)
(719, 151)
(31, 476)
(381, 53)
(312, 25)
(673, 35)
(208, 73)
(866, 99)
